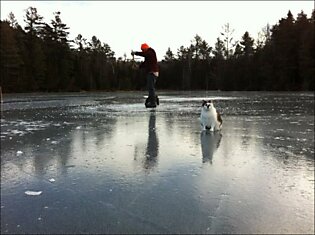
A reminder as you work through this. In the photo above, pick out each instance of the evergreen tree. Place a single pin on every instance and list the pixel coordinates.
(169, 56)
(34, 61)
(219, 49)
(285, 53)
(185, 58)
(59, 28)
(12, 21)
(82, 58)
(11, 61)
(238, 52)
(304, 31)
(247, 45)
(200, 51)
(218, 64)
(34, 21)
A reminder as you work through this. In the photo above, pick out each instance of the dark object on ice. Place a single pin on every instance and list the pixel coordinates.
(151, 103)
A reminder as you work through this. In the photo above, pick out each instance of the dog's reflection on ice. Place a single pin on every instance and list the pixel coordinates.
(210, 142)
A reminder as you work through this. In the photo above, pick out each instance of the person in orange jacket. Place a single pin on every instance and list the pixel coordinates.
(150, 65)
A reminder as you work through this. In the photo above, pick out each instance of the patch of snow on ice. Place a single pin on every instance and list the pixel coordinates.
(33, 193)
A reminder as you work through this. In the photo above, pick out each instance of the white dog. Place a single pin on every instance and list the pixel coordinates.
(210, 119)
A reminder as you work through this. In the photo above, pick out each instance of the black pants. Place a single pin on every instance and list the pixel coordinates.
(151, 80)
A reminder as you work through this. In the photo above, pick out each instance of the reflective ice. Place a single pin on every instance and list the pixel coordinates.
(118, 167)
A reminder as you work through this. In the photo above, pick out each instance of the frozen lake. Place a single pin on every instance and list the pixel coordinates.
(102, 163)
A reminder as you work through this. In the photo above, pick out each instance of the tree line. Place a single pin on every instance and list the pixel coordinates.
(41, 58)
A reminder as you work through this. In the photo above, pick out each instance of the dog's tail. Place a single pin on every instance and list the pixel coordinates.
(219, 119)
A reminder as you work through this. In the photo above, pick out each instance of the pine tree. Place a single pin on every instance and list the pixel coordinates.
(247, 44)
(11, 61)
(35, 56)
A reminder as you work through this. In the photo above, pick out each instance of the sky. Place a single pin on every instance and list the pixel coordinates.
(125, 25)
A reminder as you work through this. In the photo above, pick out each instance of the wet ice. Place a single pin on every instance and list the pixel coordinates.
(154, 171)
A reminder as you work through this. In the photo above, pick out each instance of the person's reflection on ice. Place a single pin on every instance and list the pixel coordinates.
(152, 149)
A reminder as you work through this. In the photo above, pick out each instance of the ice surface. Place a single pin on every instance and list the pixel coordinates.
(135, 170)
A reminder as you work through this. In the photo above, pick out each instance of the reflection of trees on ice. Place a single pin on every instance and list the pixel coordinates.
(210, 142)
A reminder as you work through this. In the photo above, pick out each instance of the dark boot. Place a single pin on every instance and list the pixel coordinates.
(150, 103)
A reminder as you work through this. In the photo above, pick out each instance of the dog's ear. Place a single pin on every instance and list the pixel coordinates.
(203, 102)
